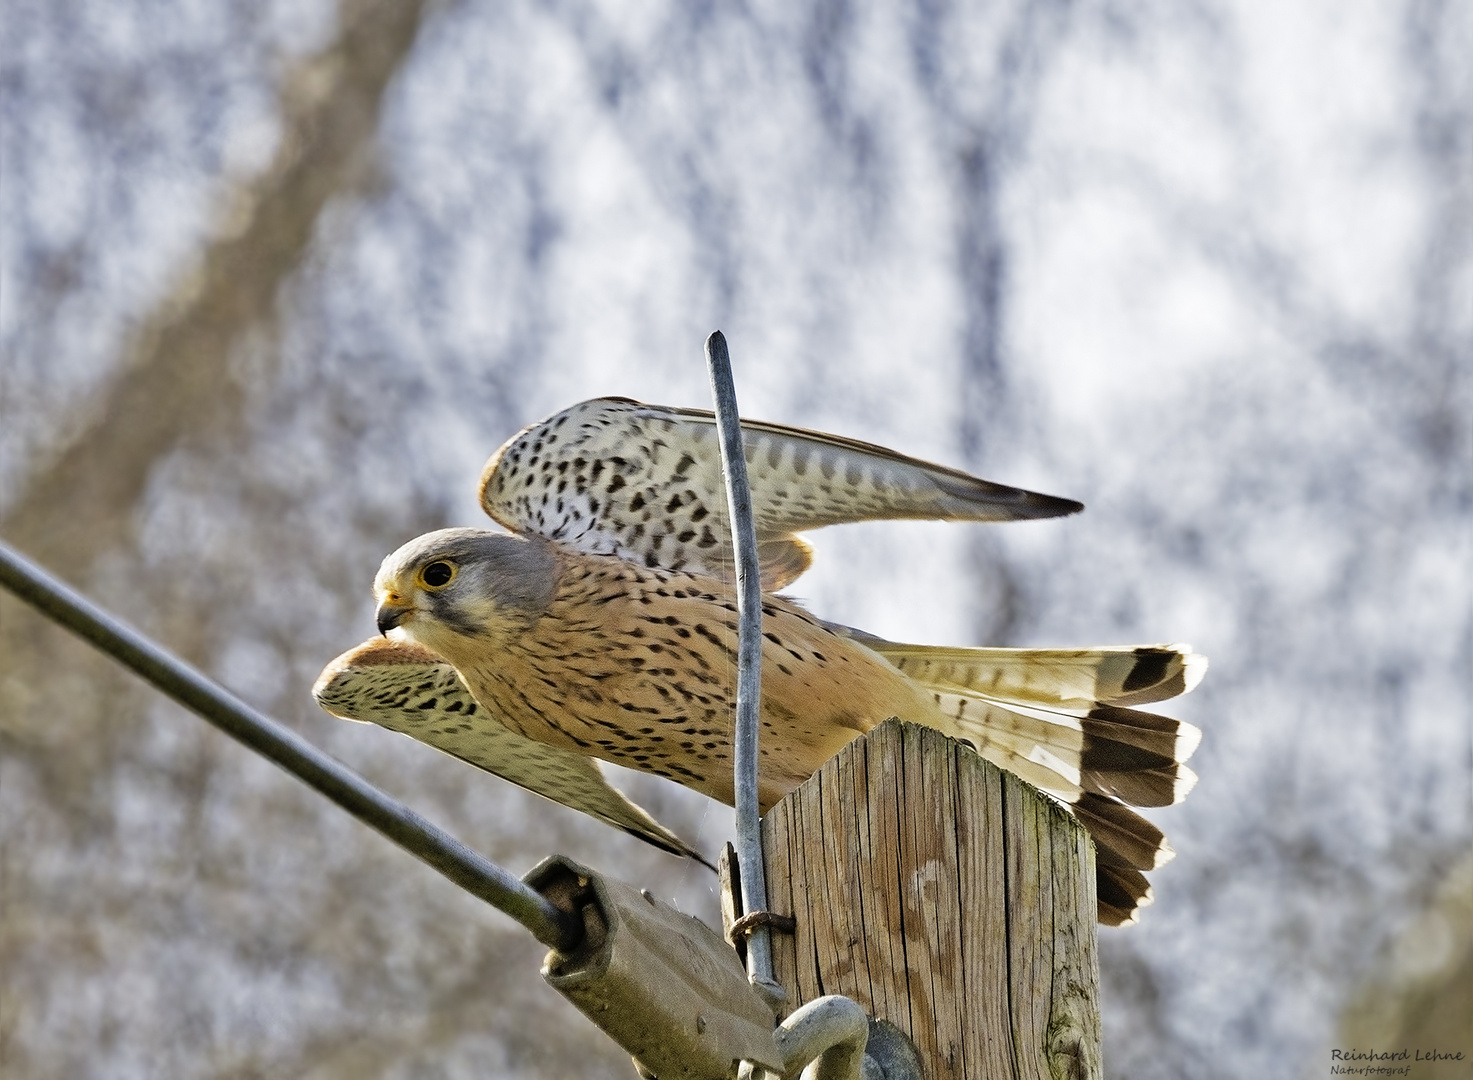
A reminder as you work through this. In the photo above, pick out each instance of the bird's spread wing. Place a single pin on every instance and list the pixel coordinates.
(612, 476)
(1061, 719)
(407, 688)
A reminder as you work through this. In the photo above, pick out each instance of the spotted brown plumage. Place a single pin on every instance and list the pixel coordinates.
(613, 476)
(406, 688)
(605, 627)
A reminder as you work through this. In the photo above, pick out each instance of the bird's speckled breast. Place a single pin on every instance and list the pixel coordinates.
(638, 666)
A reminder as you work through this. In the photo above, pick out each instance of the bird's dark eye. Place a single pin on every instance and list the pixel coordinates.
(437, 574)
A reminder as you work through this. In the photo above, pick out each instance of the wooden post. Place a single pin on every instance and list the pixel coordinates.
(945, 896)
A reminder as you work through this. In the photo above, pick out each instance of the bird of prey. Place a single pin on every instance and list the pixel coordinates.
(604, 626)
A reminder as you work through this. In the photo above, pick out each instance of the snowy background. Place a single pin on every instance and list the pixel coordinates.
(278, 278)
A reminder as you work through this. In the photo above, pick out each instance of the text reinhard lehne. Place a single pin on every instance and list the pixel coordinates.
(1386, 1055)
(1394, 1055)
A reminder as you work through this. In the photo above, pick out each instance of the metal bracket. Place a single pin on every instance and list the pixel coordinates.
(734, 924)
(661, 984)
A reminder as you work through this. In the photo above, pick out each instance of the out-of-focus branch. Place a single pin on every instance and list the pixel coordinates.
(1422, 987)
(176, 380)
(173, 384)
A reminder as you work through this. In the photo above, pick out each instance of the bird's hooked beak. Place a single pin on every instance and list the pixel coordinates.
(393, 610)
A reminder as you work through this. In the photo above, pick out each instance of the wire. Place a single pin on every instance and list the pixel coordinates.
(749, 662)
(473, 872)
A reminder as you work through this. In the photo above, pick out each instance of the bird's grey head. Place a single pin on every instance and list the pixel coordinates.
(456, 584)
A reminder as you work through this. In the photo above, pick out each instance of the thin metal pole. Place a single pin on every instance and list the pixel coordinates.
(749, 663)
(425, 841)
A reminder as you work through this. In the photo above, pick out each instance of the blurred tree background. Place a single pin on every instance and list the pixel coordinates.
(277, 277)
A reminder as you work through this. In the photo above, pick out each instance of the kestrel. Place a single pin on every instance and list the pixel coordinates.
(604, 626)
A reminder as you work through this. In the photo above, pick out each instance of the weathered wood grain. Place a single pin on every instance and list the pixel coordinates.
(945, 896)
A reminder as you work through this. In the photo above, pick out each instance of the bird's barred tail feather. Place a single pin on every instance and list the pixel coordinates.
(1063, 720)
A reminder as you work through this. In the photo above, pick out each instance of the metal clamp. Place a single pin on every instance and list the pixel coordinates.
(661, 984)
(749, 923)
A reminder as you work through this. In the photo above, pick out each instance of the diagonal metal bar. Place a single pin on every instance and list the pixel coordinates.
(749, 663)
(422, 839)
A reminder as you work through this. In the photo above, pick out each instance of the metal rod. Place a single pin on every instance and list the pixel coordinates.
(425, 841)
(749, 662)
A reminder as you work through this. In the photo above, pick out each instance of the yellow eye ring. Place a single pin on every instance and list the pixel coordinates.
(437, 574)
